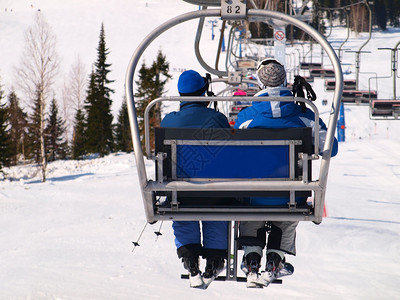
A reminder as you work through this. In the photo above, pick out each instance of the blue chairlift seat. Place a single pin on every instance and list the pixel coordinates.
(233, 154)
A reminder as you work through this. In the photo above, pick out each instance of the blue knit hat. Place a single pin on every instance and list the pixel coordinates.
(190, 83)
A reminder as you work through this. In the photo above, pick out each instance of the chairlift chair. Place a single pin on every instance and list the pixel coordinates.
(348, 84)
(381, 109)
(322, 73)
(310, 65)
(171, 195)
(358, 97)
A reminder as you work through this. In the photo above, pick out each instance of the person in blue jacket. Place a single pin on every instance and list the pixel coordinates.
(271, 77)
(188, 233)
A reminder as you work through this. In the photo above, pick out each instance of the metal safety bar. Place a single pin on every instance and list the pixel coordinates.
(224, 99)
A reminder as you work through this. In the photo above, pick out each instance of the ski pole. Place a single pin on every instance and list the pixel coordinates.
(158, 233)
(140, 235)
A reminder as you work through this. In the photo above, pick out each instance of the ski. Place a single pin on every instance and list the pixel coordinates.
(251, 279)
(201, 282)
(196, 281)
(208, 281)
(269, 277)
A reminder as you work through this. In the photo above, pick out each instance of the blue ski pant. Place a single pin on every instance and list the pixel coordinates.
(215, 233)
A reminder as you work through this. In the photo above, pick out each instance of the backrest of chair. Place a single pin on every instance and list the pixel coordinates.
(223, 154)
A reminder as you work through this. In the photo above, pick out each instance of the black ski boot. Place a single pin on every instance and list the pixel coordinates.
(214, 266)
(191, 263)
(250, 266)
(274, 262)
(275, 268)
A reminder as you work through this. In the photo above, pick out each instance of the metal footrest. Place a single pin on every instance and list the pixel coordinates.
(238, 279)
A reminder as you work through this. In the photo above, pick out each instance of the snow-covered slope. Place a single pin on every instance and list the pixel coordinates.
(71, 237)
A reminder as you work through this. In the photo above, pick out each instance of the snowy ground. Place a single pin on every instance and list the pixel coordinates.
(71, 237)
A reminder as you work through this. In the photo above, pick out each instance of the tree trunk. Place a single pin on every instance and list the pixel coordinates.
(42, 145)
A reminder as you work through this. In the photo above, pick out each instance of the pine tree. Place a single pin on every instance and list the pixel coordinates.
(5, 140)
(151, 85)
(142, 95)
(123, 138)
(98, 104)
(380, 14)
(393, 12)
(385, 12)
(160, 71)
(18, 131)
(92, 115)
(35, 131)
(56, 145)
(79, 138)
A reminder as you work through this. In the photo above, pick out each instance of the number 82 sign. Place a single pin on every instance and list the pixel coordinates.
(233, 9)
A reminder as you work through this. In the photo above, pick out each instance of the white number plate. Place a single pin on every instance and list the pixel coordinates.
(233, 9)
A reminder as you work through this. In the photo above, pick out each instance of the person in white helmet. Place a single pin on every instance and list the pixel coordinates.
(271, 77)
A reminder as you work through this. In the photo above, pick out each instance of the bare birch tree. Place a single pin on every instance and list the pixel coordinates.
(66, 108)
(37, 71)
(74, 93)
(78, 83)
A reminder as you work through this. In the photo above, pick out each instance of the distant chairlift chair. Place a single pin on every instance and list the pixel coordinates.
(381, 109)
